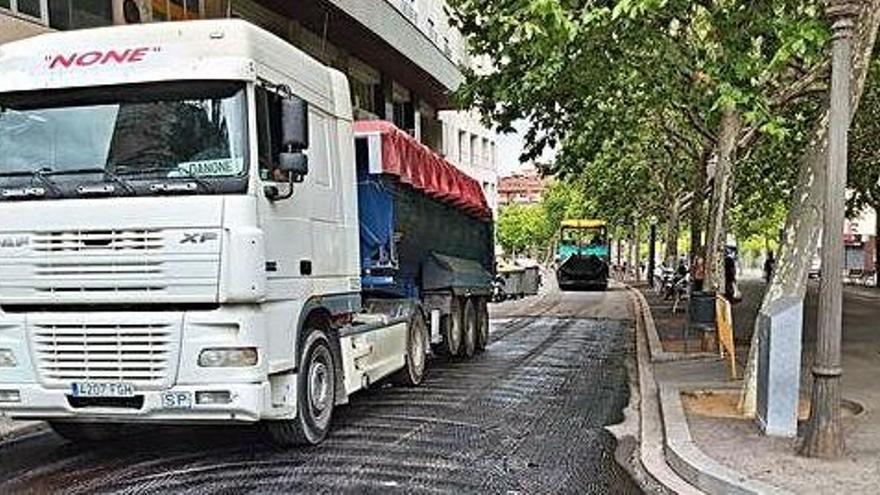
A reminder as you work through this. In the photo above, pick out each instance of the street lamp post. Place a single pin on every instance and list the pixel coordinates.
(824, 434)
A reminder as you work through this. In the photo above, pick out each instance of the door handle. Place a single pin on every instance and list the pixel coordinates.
(305, 267)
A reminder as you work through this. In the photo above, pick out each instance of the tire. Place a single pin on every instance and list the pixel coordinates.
(315, 397)
(482, 324)
(453, 329)
(469, 343)
(413, 372)
(87, 432)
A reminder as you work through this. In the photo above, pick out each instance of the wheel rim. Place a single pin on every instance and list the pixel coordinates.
(320, 387)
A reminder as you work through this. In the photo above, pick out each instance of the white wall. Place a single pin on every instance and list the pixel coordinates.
(480, 163)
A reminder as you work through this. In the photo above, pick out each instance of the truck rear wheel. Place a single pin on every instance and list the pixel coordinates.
(413, 371)
(482, 324)
(453, 329)
(469, 343)
(316, 395)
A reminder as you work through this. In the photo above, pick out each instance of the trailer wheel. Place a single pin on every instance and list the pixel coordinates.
(482, 324)
(453, 328)
(413, 372)
(469, 343)
(316, 392)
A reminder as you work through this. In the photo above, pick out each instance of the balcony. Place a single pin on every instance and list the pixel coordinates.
(383, 34)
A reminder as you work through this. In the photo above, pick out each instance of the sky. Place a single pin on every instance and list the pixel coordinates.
(510, 148)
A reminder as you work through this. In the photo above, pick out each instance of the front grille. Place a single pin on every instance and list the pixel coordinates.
(128, 263)
(137, 240)
(134, 353)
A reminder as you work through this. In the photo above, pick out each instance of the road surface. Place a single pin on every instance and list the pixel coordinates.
(526, 416)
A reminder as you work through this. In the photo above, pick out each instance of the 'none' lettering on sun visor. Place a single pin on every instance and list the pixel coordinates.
(99, 57)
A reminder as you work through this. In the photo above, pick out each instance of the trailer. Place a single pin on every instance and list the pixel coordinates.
(405, 192)
(196, 231)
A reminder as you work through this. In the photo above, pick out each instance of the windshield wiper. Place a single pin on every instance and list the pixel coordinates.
(40, 175)
(153, 170)
(98, 170)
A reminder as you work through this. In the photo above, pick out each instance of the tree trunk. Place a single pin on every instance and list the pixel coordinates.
(636, 255)
(716, 233)
(672, 230)
(697, 206)
(804, 221)
(876, 240)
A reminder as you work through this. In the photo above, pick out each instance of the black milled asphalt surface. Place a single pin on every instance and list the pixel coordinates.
(526, 416)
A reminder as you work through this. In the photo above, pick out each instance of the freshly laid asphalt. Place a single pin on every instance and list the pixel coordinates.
(526, 416)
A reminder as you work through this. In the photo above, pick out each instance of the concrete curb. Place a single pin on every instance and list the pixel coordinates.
(686, 458)
(658, 354)
(651, 441)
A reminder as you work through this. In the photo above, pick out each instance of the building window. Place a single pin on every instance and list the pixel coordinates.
(36, 9)
(77, 14)
(462, 144)
(474, 141)
(432, 31)
(363, 95)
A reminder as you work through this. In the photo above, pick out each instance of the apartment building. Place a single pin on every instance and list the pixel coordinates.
(524, 187)
(402, 57)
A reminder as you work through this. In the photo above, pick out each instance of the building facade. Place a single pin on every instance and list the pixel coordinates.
(860, 242)
(522, 188)
(402, 57)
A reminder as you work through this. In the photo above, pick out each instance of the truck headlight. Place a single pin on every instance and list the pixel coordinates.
(7, 359)
(228, 357)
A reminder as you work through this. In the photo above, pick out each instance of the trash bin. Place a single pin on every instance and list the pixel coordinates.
(701, 317)
(701, 309)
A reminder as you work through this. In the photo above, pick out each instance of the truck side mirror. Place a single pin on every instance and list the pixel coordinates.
(294, 140)
(294, 124)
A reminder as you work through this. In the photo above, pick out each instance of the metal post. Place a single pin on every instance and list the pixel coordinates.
(824, 434)
(652, 251)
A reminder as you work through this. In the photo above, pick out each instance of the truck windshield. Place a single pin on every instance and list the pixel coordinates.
(130, 135)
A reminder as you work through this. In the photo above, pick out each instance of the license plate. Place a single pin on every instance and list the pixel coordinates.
(177, 400)
(102, 389)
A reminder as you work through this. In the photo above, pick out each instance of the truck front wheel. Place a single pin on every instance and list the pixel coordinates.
(316, 392)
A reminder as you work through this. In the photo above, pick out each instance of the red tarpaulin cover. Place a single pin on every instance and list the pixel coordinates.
(418, 166)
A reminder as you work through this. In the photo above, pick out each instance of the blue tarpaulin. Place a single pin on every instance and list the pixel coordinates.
(376, 212)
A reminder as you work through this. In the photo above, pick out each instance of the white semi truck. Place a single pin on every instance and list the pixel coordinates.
(193, 230)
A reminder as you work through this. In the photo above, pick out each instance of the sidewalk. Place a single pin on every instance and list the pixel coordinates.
(710, 445)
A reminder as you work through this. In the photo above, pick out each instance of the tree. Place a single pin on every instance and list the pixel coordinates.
(521, 228)
(588, 75)
(804, 219)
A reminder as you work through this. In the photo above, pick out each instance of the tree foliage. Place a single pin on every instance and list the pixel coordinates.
(630, 92)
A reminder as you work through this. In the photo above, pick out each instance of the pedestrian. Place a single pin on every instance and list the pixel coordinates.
(730, 289)
(769, 265)
(698, 273)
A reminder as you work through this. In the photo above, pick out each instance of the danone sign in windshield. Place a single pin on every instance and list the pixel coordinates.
(212, 168)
